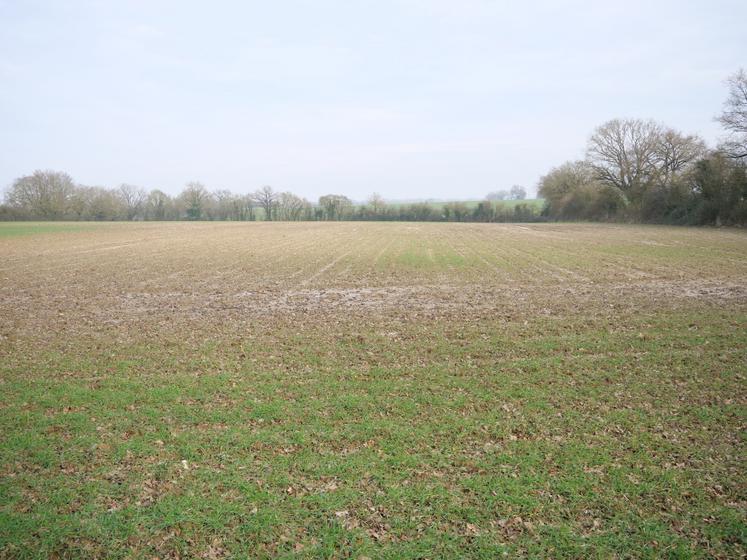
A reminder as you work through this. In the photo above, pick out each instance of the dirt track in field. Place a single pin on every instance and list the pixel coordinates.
(138, 278)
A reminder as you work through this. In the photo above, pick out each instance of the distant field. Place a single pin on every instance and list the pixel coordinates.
(372, 390)
(533, 202)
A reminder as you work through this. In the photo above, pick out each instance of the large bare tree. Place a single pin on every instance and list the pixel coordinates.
(634, 155)
(734, 116)
(623, 153)
(133, 198)
(43, 194)
(266, 198)
(291, 207)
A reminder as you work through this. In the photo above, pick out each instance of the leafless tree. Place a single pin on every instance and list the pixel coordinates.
(291, 207)
(133, 198)
(623, 153)
(266, 198)
(44, 194)
(734, 116)
(675, 152)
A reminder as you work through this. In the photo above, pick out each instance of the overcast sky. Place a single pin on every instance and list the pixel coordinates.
(409, 98)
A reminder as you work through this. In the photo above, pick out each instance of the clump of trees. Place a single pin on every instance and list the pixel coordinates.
(335, 207)
(517, 192)
(638, 170)
(47, 194)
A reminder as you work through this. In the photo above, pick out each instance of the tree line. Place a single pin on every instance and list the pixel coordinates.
(52, 195)
(633, 170)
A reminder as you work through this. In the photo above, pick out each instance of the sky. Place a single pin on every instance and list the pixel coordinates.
(413, 99)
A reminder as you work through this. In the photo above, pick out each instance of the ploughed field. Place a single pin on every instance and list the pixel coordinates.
(379, 390)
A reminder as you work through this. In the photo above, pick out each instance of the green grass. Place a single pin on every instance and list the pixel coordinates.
(15, 229)
(549, 439)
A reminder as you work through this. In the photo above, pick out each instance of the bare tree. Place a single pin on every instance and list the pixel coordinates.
(133, 198)
(377, 204)
(44, 194)
(676, 152)
(291, 207)
(266, 198)
(623, 153)
(734, 116)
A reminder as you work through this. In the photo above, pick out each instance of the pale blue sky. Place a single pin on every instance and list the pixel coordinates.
(410, 98)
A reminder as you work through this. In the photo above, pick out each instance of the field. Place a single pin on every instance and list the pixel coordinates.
(372, 390)
(535, 203)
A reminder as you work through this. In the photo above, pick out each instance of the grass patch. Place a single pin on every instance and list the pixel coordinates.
(17, 229)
